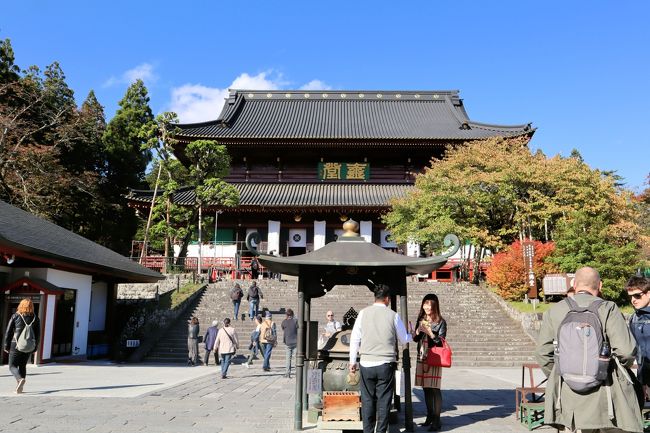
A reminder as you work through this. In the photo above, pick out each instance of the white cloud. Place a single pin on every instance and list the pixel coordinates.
(144, 72)
(198, 103)
(316, 85)
(257, 82)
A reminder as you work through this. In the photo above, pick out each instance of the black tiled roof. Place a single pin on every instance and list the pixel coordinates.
(352, 115)
(42, 239)
(302, 195)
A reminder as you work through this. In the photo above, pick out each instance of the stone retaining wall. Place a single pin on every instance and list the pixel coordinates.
(148, 290)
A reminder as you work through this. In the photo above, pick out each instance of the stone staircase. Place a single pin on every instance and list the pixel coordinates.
(480, 332)
(172, 348)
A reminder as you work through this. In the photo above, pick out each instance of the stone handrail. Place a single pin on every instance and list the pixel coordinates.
(150, 341)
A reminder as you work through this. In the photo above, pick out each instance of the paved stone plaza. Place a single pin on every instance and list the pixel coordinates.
(103, 397)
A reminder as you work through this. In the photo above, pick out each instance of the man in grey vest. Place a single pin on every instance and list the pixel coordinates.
(375, 333)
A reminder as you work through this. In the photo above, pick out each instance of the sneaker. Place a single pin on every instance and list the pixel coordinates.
(19, 387)
(246, 365)
(223, 376)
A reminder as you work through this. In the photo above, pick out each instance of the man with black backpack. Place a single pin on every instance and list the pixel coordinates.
(236, 293)
(253, 297)
(585, 348)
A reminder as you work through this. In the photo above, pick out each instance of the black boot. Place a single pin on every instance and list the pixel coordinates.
(435, 425)
(437, 408)
(428, 400)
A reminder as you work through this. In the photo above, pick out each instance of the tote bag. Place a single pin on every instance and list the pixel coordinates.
(440, 356)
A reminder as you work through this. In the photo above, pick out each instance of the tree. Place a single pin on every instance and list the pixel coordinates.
(126, 162)
(209, 163)
(9, 71)
(495, 191)
(585, 240)
(642, 202)
(85, 160)
(36, 109)
(507, 271)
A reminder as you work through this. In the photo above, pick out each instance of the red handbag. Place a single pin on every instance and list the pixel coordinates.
(440, 356)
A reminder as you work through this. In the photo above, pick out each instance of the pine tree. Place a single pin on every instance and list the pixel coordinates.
(126, 161)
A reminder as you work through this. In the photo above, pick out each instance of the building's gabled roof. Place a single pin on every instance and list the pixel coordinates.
(262, 196)
(345, 115)
(38, 239)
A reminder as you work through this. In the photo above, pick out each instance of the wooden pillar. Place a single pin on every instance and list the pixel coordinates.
(305, 396)
(300, 358)
(406, 361)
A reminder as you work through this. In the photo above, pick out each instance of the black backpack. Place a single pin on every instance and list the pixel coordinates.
(236, 294)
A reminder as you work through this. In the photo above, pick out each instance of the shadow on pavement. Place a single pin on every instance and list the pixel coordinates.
(96, 388)
(501, 404)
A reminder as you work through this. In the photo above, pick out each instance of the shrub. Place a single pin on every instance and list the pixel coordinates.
(507, 271)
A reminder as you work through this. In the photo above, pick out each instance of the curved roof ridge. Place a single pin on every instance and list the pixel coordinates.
(527, 127)
(366, 92)
(345, 115)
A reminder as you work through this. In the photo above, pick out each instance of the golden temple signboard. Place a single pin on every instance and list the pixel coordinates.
(343, 171)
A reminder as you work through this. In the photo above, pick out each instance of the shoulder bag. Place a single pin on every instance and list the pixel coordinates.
(440, 356)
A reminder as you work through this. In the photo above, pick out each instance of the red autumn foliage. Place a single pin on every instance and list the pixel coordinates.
(507, 271)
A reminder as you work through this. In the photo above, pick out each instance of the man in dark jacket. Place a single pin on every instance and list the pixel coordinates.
(638, 289)
(253, 297)
(209, 339)
(236, 293)
(290, 338)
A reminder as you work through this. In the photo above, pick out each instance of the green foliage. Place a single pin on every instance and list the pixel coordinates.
(495, 191)
(178, 296)
(9, 71)
(38, 136)
(527, 307)
(208, 163)
(127, 156)
(584, 240)
(126, 162)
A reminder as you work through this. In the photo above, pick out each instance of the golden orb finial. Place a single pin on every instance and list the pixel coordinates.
(351, 228)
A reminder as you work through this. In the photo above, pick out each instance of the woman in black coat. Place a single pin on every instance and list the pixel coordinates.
(23, 317)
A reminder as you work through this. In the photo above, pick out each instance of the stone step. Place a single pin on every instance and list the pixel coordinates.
(480, 332)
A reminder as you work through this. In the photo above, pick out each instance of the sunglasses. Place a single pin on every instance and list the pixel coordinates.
(330, 315)
(636, 295)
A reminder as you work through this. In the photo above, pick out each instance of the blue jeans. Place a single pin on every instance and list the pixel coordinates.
(377, 385)
(253, 305)
(267, 355)
(225, 362)
(236, 305)
(290, 351)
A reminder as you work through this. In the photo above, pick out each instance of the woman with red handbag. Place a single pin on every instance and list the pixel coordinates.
(430, 331)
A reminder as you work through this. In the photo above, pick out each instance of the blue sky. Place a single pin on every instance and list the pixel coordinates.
(578, 70)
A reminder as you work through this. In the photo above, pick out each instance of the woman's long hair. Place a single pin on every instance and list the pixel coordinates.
(435, 309)
(26, 306)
